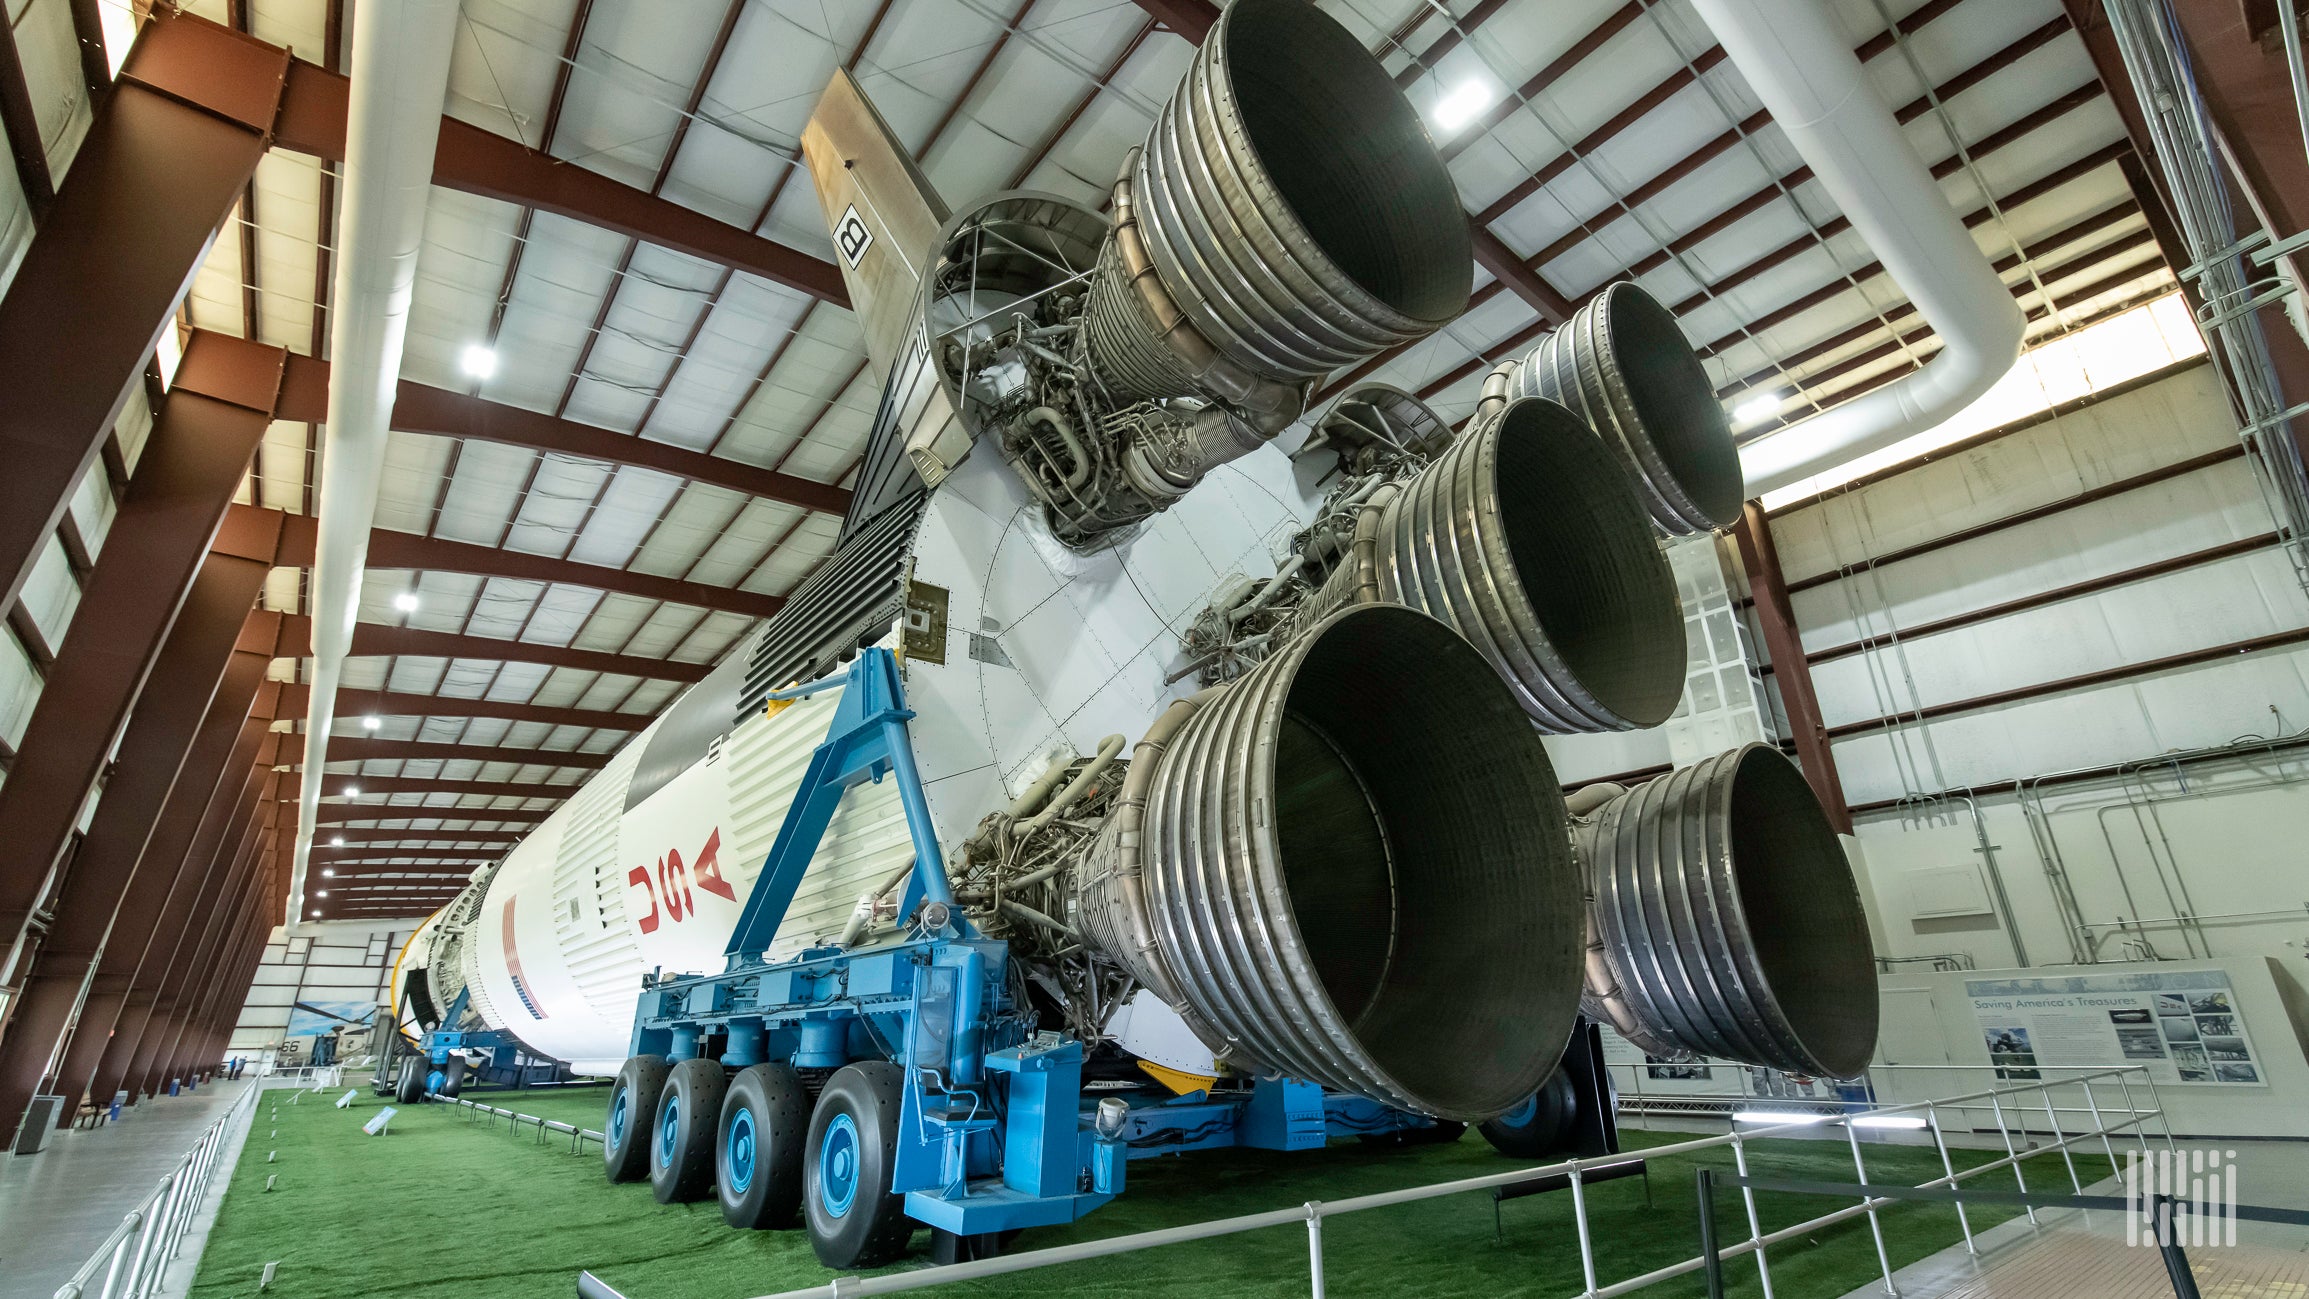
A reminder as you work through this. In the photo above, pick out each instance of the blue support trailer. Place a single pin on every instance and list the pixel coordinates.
(931, 1095)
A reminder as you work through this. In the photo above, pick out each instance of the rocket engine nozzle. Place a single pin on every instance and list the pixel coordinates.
(1336, 869)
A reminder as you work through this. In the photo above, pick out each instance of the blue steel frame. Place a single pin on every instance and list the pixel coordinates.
(503, 1049)
(994, 1131)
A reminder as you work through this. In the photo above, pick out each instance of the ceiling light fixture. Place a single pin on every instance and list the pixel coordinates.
(372, 722)
(479, 362)
(406, 602)
(337, 841)
(329, 873)
(352, 791)
(1459, 107)
(1757, 409)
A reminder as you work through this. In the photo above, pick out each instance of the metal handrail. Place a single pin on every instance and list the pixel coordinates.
(577, 1136)
(138, 1251)
(2108, 1121)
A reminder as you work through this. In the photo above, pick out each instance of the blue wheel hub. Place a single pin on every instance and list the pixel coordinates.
(838, 1166)
(668, 1129)
(1522, 1115)
(434, 1079)
(739, 1151)
(620, 1105)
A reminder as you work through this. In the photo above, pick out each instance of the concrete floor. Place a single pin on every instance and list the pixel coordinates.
(57, 1206)
(2082, 1254)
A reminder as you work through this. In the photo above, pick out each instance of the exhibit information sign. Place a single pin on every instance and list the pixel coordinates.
(2183, 1025)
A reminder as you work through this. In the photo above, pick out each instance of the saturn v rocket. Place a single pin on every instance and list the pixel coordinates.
(1227, 689)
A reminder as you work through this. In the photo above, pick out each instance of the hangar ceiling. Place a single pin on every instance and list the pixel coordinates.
(537, 593)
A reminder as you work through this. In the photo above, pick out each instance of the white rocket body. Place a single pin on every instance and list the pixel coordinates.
(1047, 651)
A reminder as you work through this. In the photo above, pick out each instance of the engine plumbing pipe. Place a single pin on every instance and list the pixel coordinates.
(400, 79)
(1796, 56)
(1108, 750)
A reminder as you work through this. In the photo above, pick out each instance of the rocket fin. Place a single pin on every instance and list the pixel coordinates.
(881, 210)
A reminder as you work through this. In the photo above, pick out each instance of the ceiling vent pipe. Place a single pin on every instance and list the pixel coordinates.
(400, 80)
(1794, 54)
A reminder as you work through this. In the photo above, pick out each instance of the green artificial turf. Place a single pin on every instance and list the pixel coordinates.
(445, 1206)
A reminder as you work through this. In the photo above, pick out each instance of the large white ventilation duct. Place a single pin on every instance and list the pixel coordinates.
(400, 79)
(1794, 54)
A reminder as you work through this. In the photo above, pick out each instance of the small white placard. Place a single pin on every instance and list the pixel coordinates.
(346, 1101)
(376, 1126)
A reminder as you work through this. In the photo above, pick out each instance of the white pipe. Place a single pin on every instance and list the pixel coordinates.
(1795, 56)
(400, 82)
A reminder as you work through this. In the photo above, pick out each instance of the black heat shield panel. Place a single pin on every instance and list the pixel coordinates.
(852, 600)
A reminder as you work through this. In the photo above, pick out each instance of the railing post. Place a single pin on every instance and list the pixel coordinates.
(2158, 1102)
(2140, 1119)
(2169, 1244)
(1315, 1248)
(2060, 1138)
(1996, 1103)
(1579, 1217)
(1712, 1263)
(2100, 1125)
(1755, 1223)
(1875, 1228)
(1948, 1166)
(112, 1272)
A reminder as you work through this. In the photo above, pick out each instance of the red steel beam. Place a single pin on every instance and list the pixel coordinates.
(217, 650)
(198, 453)
(152, 918)
(2091, 495)
(421, 408)
(372, 853)
(2115, 215)
(2247, 91)
(389, 549)
(1777, 619)
(337, 787)
(2055, 595)
(478, 161)
(1921, 343)
(347, 749)
(377, 640)
(392, 703)
(22, 124)
(247, 833)
(154, 177)
(188, 975)
(2080, 681)
(422, 836)
(347, 813)
(1192, 19)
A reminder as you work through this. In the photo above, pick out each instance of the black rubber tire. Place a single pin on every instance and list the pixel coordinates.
(767, 1191)
(1442, 1133)
(453, 1079)
(627, 1128)
(681, 1150)
(411, 1088)
(870, 1227)
(947, 1248)
(1545, 1129)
